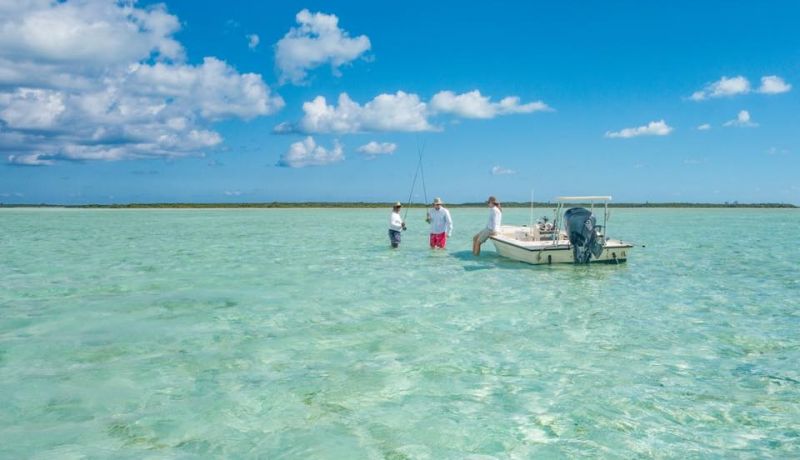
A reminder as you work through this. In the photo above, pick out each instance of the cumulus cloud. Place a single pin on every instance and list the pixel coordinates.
(102, 80)
(386, 112)
(654, 128)
(308, 153)
(499, 171)
(742, 120)
(474, 105)
(29, 160)
(704, 127)
(95, 33)
(316, 41)
(724, 87)
(214, 89)
(28, 108)
(400, 111)
(253, 41)
(378, 148)
(773, 84)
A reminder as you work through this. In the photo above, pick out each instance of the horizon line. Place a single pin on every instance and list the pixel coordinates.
(376, 204)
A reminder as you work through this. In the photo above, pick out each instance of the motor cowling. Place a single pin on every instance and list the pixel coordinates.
(581, 228)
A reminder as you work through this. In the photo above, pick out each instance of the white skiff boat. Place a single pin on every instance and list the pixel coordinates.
(573, 237)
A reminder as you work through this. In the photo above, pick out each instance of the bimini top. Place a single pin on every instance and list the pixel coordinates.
(582, 199)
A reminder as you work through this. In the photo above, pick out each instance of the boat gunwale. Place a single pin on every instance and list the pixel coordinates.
(554, 247)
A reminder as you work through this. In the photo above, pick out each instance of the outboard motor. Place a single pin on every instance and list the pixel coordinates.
(581, 229)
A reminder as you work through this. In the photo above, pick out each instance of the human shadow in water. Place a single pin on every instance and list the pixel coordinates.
(486, 261)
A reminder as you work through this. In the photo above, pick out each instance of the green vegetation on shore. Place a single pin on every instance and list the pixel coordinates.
(362, 204)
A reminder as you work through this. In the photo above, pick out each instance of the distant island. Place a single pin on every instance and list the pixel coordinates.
(363, 204)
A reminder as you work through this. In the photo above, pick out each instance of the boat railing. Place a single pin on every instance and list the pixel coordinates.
(535, 233)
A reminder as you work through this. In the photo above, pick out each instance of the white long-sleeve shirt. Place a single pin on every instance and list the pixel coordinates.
(441, 221)
(395, 221)
(495, 216)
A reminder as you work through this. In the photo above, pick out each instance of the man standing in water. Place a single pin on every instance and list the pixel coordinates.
(396, 225)
(441, 224)
(495, 216)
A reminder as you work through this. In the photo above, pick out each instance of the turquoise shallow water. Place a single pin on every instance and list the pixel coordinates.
(300, 334)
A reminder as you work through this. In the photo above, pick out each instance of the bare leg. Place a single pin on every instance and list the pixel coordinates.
(476, 246)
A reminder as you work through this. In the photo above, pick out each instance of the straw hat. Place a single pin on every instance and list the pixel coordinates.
(437, 200)
(397, 205)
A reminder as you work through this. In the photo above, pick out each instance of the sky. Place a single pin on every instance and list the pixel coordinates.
(184, 101)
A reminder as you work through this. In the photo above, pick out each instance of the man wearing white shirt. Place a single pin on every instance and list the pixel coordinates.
(492, 227)
(396, 225)
(441, 224)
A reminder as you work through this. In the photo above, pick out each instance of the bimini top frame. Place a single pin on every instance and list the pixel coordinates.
(582, 199)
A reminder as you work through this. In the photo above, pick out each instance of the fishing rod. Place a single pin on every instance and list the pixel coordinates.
(422, 173)
(531, 227)
(411, 192)
(418, 172)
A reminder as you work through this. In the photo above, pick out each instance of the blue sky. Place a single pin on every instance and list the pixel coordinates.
(183, 101)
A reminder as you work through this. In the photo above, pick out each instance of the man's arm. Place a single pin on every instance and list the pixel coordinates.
(449, 222)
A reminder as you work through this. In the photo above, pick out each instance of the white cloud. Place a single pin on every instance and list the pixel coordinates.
(401, 111)
(724, 87)
(95, 33)
(742, 120)
(253, 41)
(104, 80)
(232, 193)
(308, 153)
(499, 170)
(386, 112)
(773, 84)
(704, 127)
(473, 105)
(29, 160)
(31, 108)
(654, 128)
(214, 88)
(777, 151)
(378, 148)
(316, 41)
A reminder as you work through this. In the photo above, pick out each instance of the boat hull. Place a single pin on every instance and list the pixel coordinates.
(544, 253)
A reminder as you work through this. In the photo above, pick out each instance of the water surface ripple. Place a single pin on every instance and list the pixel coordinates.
(299, 334)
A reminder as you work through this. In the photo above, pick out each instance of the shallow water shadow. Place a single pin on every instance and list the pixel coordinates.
(491, 260)
(488, 260)
(463, 255)
(473, 268)
(476, 262)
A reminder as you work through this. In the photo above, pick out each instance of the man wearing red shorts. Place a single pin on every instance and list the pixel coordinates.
(441, 224)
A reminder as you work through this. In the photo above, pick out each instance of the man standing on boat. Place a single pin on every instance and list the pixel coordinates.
(495, 216)
(396, 225)
(441, 224)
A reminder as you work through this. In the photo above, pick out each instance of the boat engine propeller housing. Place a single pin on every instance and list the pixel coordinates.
(584, 234)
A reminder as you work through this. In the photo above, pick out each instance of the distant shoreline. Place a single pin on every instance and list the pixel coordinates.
(316, 204)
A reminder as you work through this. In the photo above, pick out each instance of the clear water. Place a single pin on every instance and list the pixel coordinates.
(300, 334)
